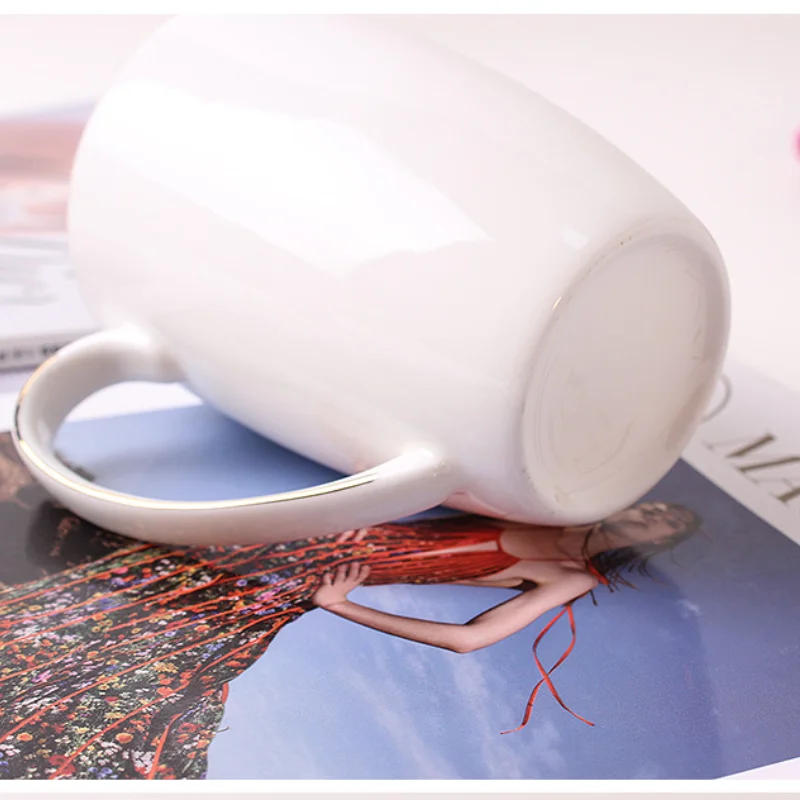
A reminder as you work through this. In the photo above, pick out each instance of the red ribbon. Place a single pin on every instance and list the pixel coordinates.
(546, 680)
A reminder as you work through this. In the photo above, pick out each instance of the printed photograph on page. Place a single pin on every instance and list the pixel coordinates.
(656, 644)
(40, 307)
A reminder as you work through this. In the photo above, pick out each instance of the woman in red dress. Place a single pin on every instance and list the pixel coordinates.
(119, 667)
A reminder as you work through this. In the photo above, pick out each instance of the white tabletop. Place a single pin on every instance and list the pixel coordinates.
(709, 105)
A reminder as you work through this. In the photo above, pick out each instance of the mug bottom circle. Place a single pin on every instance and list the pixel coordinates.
(623, 374)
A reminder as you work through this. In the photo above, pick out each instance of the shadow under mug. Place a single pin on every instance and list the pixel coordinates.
(390, 259)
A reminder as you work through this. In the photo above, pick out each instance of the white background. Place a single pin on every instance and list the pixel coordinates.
(710, 105)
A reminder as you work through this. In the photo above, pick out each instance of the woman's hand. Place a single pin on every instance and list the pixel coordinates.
(352, 536)
(335, 586)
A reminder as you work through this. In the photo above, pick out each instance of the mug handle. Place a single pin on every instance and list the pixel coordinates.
(414, 481)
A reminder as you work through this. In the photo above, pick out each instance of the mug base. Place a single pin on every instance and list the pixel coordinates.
(624, 372)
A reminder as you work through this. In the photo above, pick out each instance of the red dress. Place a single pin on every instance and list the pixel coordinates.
(436, 551)
(119, 667)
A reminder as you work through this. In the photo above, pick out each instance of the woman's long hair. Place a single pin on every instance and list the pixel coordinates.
(616, 564)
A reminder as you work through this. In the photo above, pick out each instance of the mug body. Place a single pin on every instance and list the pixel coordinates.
(356, 242)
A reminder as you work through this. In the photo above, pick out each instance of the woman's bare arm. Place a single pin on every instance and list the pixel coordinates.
(560, 586)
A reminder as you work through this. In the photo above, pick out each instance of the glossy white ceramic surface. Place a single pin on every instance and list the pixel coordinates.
(364, 246)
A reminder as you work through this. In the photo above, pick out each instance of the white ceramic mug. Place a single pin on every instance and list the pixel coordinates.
(390, 259)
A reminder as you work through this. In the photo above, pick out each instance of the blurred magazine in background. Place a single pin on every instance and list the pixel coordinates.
(40, 307)
(120, 659)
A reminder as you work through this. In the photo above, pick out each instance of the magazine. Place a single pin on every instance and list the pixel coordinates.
(40, 306)
(659, 644)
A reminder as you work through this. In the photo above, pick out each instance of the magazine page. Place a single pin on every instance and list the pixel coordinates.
(658, 644)
(40, 307)
(749, 444)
